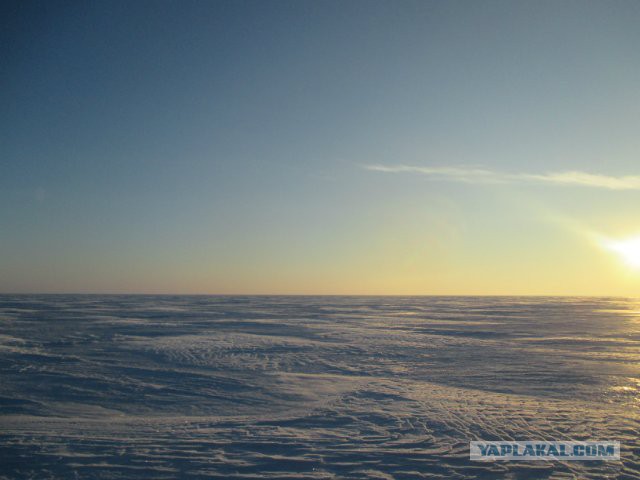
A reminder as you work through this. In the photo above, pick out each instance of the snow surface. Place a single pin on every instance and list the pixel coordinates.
(119, 387)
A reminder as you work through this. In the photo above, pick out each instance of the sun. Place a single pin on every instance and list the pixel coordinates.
(628, 249)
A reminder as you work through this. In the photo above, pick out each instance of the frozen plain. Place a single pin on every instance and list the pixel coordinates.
(194, 387)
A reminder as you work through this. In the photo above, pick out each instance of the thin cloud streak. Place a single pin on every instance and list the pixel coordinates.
(483, 176)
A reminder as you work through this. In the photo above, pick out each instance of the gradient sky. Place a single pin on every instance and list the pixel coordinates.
(352, 147)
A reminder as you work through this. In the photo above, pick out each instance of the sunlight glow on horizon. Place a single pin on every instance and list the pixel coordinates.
(628, 249)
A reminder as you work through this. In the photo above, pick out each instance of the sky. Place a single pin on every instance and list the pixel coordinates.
(320, 147)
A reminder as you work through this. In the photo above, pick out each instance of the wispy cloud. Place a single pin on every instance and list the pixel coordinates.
(484, 176)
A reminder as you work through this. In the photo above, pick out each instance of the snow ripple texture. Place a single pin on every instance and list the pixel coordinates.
(194, 387)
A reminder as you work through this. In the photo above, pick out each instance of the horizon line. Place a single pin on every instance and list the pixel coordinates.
(319, 294)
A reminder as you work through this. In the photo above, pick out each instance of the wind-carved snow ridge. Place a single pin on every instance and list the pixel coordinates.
(163, 387)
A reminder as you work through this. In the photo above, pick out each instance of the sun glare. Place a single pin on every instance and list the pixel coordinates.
(629, 250)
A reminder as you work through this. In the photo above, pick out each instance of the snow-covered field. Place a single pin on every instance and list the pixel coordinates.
(123, 387)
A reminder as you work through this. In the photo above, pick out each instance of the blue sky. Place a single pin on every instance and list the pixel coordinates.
(227, 147)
